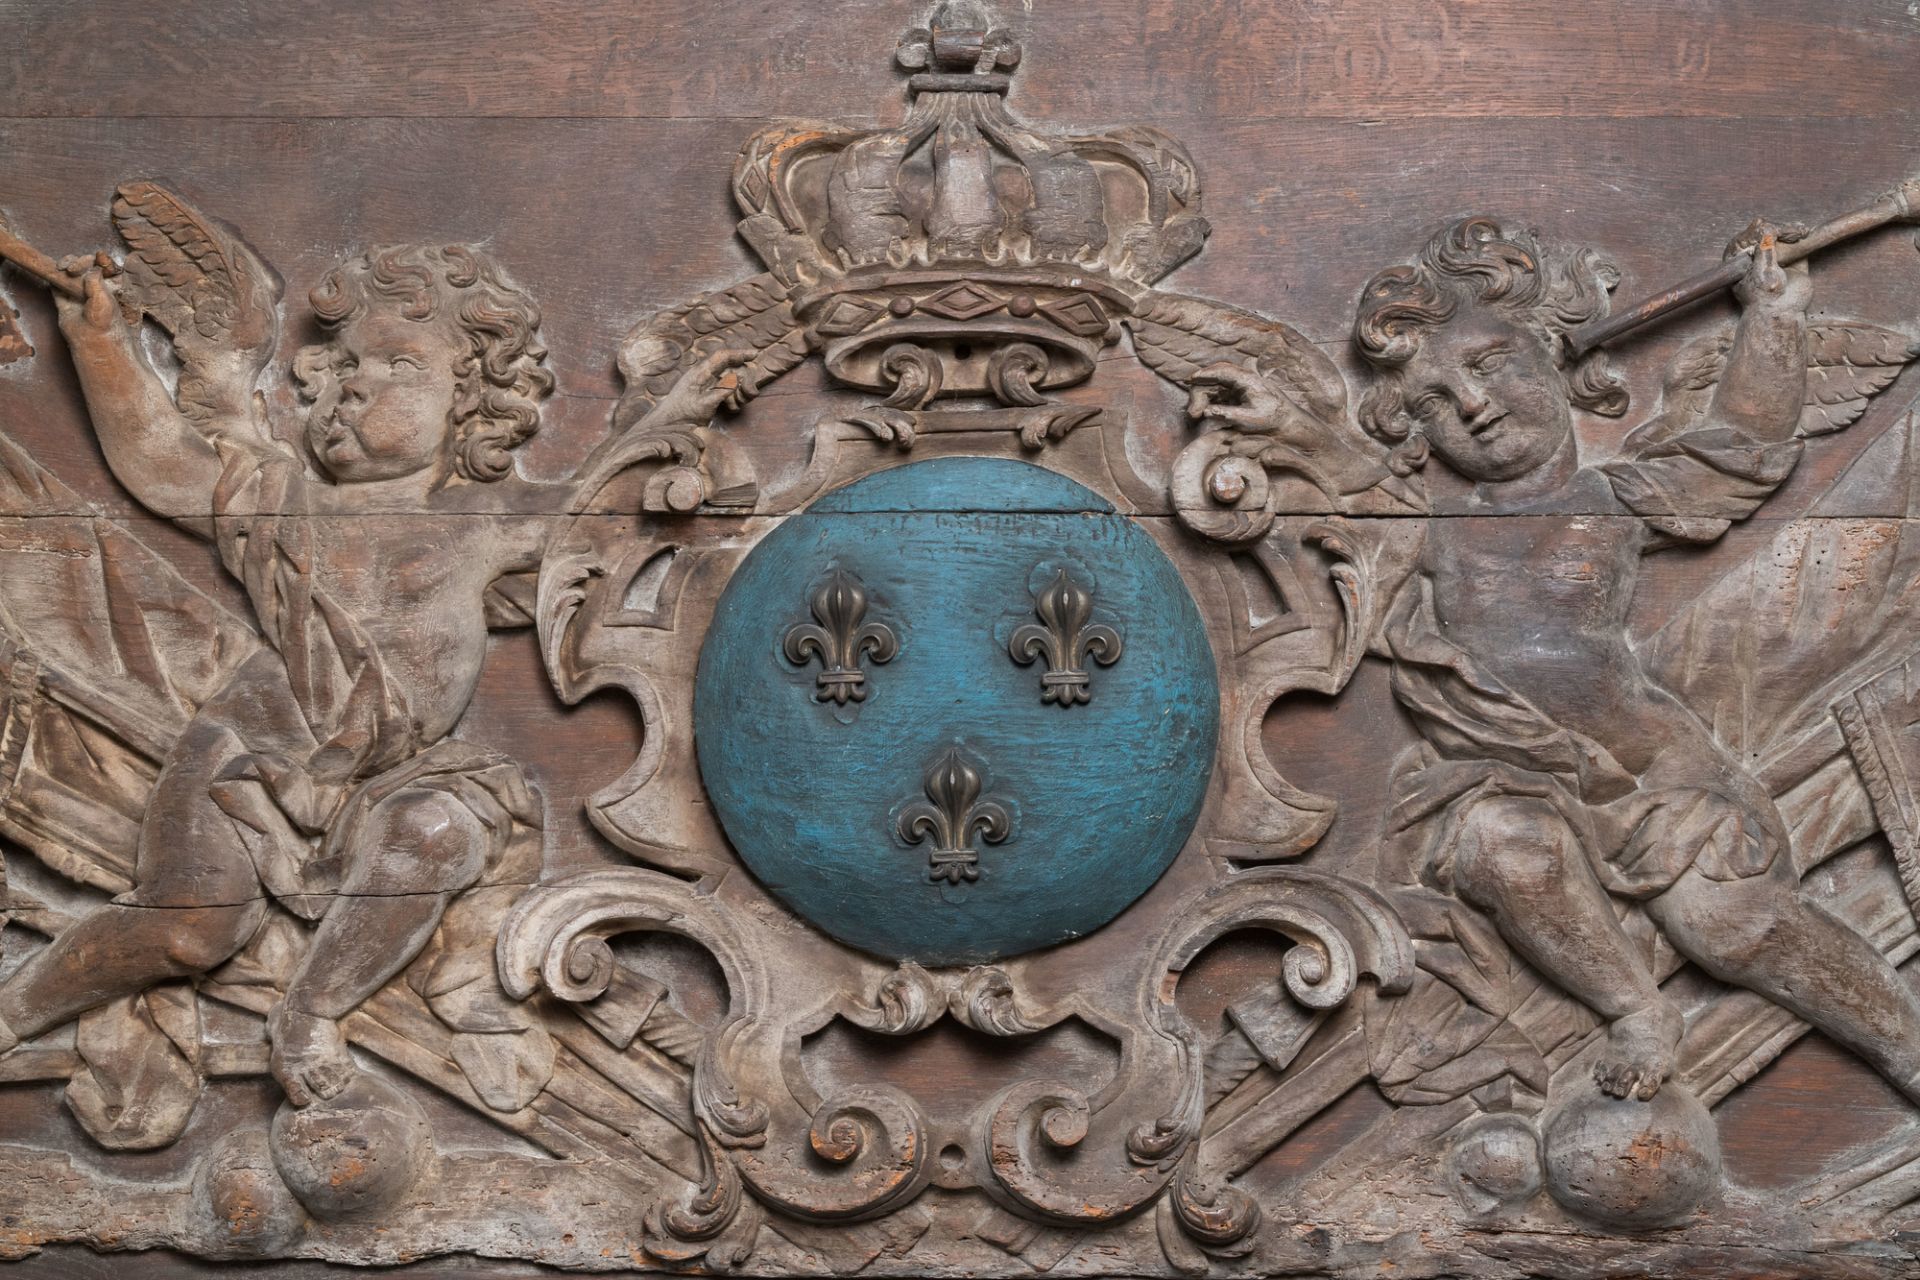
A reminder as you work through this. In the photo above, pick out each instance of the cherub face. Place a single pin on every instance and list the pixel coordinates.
(1488, 397)
(388, 411)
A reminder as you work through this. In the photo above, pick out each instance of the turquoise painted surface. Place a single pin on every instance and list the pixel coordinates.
(1102, 796)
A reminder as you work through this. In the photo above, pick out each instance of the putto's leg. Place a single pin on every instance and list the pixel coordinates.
(1520, 862)
(117, 951)
(422, 848)
(1761, 933)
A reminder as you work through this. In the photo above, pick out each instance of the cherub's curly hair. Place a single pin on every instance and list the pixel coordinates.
(502, 379)
(1476, 260)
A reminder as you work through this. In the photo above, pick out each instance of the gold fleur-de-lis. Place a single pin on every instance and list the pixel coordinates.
(950, 816)
(1065, 636)
(839, 639)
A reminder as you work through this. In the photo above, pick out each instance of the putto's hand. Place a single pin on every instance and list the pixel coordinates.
(1760, 231)
(1235, 396)
(704, 387)
(1768, 284)
(99, 310)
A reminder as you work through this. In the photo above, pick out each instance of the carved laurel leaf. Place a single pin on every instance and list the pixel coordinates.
(1176, 337)
(1848, 363)
(755, 314)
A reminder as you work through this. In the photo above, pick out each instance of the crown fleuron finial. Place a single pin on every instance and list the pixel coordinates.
(960, 48)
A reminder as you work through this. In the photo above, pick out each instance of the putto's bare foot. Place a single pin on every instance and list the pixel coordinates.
(1640, 1052)
(310, 1058)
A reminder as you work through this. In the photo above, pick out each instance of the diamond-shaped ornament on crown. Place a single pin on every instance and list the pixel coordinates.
(964, 252)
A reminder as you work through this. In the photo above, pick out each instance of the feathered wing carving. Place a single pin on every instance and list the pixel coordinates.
(215, 297)
(756, 315)
(1848, 363)
(1220, 484)
(1176, 337)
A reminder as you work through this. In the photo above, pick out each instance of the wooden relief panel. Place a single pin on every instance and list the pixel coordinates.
(1097, 769)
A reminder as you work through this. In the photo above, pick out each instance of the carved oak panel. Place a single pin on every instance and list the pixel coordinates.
(1088, 777)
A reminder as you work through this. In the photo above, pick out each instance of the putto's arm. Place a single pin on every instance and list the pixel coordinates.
(1764, 386)
(168, 466)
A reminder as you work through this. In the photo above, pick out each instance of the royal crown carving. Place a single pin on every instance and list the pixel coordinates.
(963, 231)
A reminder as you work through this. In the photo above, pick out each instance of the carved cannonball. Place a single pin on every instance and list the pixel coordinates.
(357, 1153)
(245, 1209)
(1494, 1163)
(1629, 1164)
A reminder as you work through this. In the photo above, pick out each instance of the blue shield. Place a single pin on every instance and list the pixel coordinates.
(956, 711)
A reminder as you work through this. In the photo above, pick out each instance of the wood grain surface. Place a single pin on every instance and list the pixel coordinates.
(588, 144)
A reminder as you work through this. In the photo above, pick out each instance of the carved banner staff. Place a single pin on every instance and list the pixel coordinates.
(1902, 204)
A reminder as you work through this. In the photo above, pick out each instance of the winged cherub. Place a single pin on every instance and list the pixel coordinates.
(1557, 774)
(323, 771)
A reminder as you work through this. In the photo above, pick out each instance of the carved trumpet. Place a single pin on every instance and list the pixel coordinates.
(1900, 204)
(38, 264)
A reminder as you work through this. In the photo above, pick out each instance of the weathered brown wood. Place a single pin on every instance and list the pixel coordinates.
(588, 150)
(1218, 60)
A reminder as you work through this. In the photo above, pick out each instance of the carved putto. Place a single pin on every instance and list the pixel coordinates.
(958, 721)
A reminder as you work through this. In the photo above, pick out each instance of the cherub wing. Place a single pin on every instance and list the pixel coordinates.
(215, 297)
(1848, 363)
(754, 315)
(1177, 337)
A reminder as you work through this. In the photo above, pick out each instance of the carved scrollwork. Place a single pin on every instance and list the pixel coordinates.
(875, 1140)
(1013, 372)
(1054, 1156)
(915, 372)
(1341, 931)
(872, 1139)
(709, 1221)
(1221, 491)
(907, 1001)
(1220, 1218)
(986, 1001)
(910, 999)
